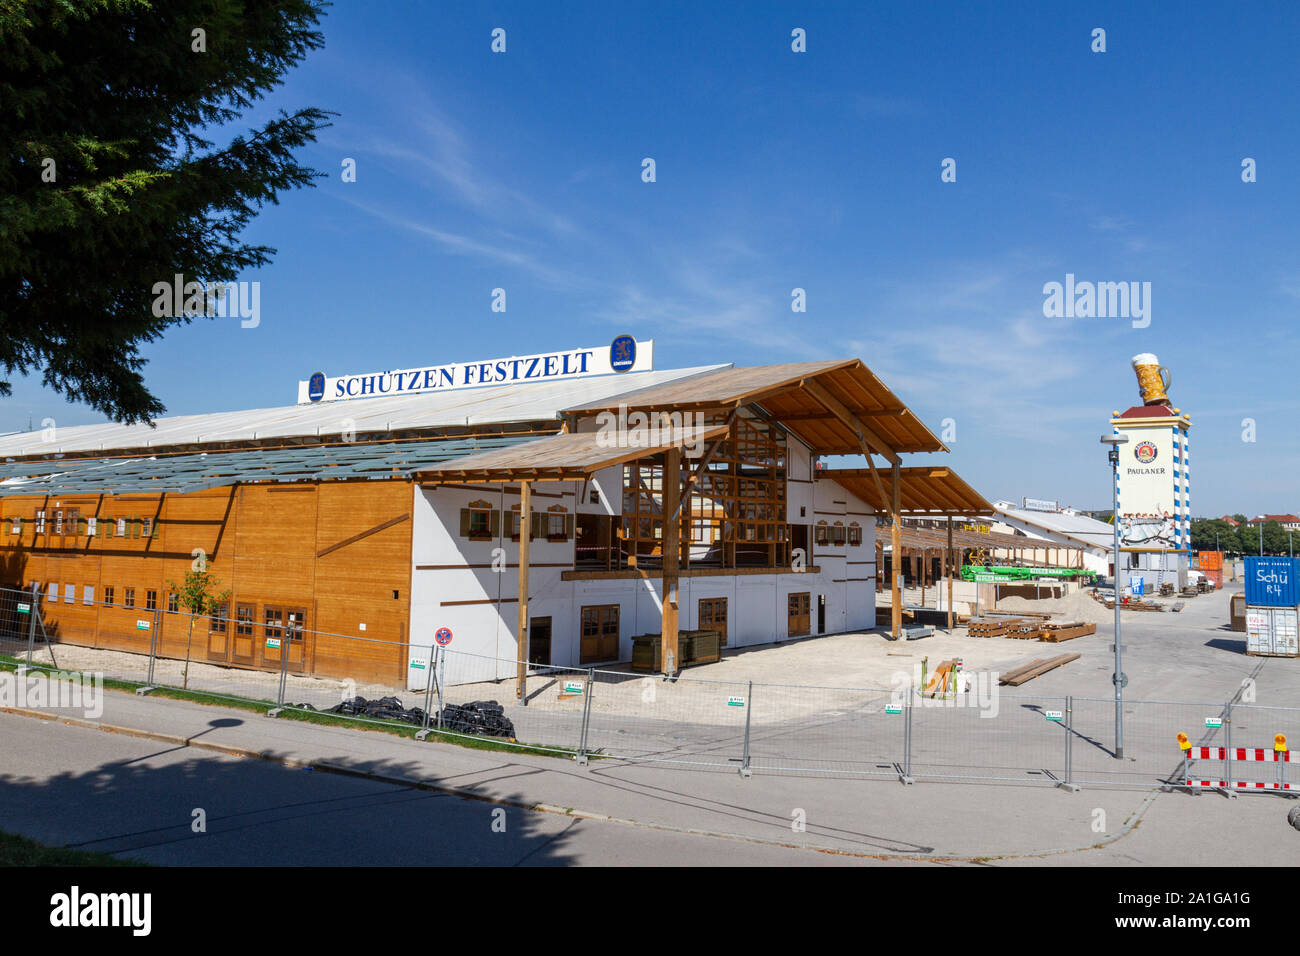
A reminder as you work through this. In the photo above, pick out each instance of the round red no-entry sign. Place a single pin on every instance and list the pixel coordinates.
(442, 636)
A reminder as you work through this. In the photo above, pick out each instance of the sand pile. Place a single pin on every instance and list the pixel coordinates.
(1079, 606)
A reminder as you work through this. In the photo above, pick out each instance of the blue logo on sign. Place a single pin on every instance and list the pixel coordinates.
(316, 386)
(622, 353)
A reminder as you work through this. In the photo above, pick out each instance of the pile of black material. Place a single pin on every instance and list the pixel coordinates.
(385, 708)
(483, 717)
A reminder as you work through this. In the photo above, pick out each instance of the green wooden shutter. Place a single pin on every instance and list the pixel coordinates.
(568, 526)
(494, 523)
(464, 522)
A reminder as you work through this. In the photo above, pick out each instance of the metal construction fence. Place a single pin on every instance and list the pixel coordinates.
(982, 735)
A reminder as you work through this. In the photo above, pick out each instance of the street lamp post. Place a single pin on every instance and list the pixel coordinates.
(1118, 678)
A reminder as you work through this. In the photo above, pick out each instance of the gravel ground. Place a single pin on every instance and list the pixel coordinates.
(796, 678)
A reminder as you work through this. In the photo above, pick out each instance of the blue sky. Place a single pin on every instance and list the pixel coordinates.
(818, 170)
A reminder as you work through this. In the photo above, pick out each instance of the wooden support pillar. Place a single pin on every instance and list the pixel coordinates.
(672, 487)
(925, 571)
(949, 571)
(525, 526)
(896, 541)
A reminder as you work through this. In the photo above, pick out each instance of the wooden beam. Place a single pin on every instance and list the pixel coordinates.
(951, 570)
(704, 461)
(525, 528)
(896, 539)
(875, 475)
(671, 551)
(364, 534)
(840, 411)
(824, 415)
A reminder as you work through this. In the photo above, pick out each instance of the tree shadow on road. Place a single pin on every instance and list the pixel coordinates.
(174, 805)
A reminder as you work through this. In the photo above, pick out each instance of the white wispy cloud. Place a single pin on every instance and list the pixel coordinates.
(468, 246)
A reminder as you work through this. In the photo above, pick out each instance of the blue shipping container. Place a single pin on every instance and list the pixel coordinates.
(1272, 582)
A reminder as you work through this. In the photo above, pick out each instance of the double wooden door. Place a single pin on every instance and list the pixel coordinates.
(599, 634)
(244, 637)
(231, 638)
(283, 633)
(713, 616)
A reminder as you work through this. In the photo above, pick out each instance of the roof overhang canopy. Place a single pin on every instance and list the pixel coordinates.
(921, 490)
(571, 457)
(963, 539)
(834, 407)
(184, 474)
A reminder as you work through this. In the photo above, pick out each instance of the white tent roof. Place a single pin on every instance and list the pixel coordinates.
(1081, 528)
(491, 405)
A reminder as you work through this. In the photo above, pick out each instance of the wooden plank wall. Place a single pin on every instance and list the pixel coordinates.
(264, 542)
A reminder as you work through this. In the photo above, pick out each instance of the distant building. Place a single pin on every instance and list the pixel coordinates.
(1288, 522)
(1067, 528)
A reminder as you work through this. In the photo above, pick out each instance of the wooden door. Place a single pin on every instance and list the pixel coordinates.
(283, 630)
(219, 641)
(539, 641)
(599, 633)
(295, 631)
(243, 644)
(713, 616)
(799, 614)
(271, 644)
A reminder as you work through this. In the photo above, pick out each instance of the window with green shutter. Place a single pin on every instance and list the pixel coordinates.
(537, 526)
(478, 522)
(559, 524)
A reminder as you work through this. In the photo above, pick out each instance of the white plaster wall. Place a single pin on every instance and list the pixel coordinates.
(756, 603)
(799, 488)
(608, 484)
(479, 629)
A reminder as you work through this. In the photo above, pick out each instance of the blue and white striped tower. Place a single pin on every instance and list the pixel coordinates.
(1154, 481)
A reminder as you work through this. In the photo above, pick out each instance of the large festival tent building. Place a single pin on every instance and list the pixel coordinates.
(352, 526)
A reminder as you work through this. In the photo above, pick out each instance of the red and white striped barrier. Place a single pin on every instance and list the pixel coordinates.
(1241, 785)
(1243, 755)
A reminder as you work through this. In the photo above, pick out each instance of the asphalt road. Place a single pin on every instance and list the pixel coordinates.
(69, 786)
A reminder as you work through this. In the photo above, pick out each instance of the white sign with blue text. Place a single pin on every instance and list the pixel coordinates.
(624, 354)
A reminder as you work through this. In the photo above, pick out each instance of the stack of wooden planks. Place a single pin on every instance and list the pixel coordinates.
(999, 626)
(1041, 615)
(1056, 631)
(1035, 668)
(1133, 604)
(1026, 629)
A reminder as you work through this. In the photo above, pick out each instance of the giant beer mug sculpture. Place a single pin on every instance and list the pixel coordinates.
(1153, 379)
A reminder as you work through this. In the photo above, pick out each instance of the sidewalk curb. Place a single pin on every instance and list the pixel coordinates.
(326, 766)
